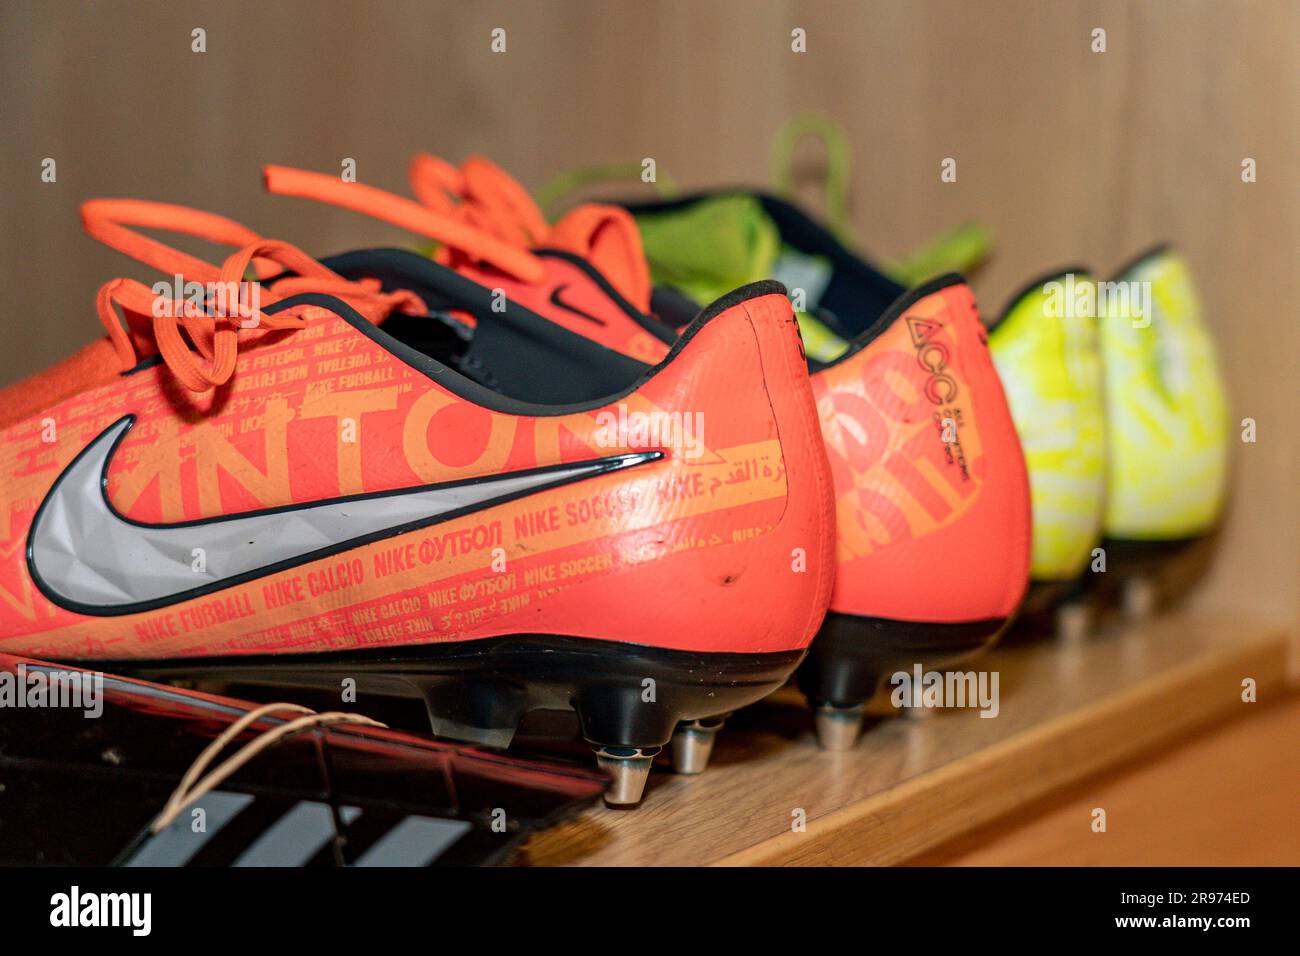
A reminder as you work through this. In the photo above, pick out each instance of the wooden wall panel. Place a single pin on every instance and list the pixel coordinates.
(1067, 154)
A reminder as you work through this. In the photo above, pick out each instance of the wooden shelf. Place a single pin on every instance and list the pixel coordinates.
(1068, 710)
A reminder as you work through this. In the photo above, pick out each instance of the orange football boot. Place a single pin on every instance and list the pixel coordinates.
(486, 227)
(304, 478)
(932, 495)
(932, 502)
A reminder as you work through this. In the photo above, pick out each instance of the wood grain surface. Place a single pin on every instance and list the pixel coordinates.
(1067, 711)
(1228, 798)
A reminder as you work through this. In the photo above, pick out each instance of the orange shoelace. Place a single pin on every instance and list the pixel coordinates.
(485, 194)
(480, 215)
(227, 302)
(461, 230)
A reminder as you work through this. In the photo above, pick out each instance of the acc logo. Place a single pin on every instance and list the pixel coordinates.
(932, 356)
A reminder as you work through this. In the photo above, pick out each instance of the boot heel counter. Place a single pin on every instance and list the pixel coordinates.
(810, 509)
(932, 500)
(736, 551)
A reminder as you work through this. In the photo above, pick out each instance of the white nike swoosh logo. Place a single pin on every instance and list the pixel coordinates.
(85, 556)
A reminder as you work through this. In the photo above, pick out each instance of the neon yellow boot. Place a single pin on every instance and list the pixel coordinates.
(1167, 407)
(1046, 349)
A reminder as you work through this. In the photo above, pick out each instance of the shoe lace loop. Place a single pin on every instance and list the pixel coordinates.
(464, 232)
(484, 194)
(481, 192)
(198, 333)
(478, 215)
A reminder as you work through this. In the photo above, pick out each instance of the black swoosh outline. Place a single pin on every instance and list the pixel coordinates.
(611, 464)
(557, 301)
(656, 327)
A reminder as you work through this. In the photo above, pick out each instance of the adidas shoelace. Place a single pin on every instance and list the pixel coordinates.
(195, 784)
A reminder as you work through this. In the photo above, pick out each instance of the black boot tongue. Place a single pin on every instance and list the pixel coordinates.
(672, 307)
(526, 357)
